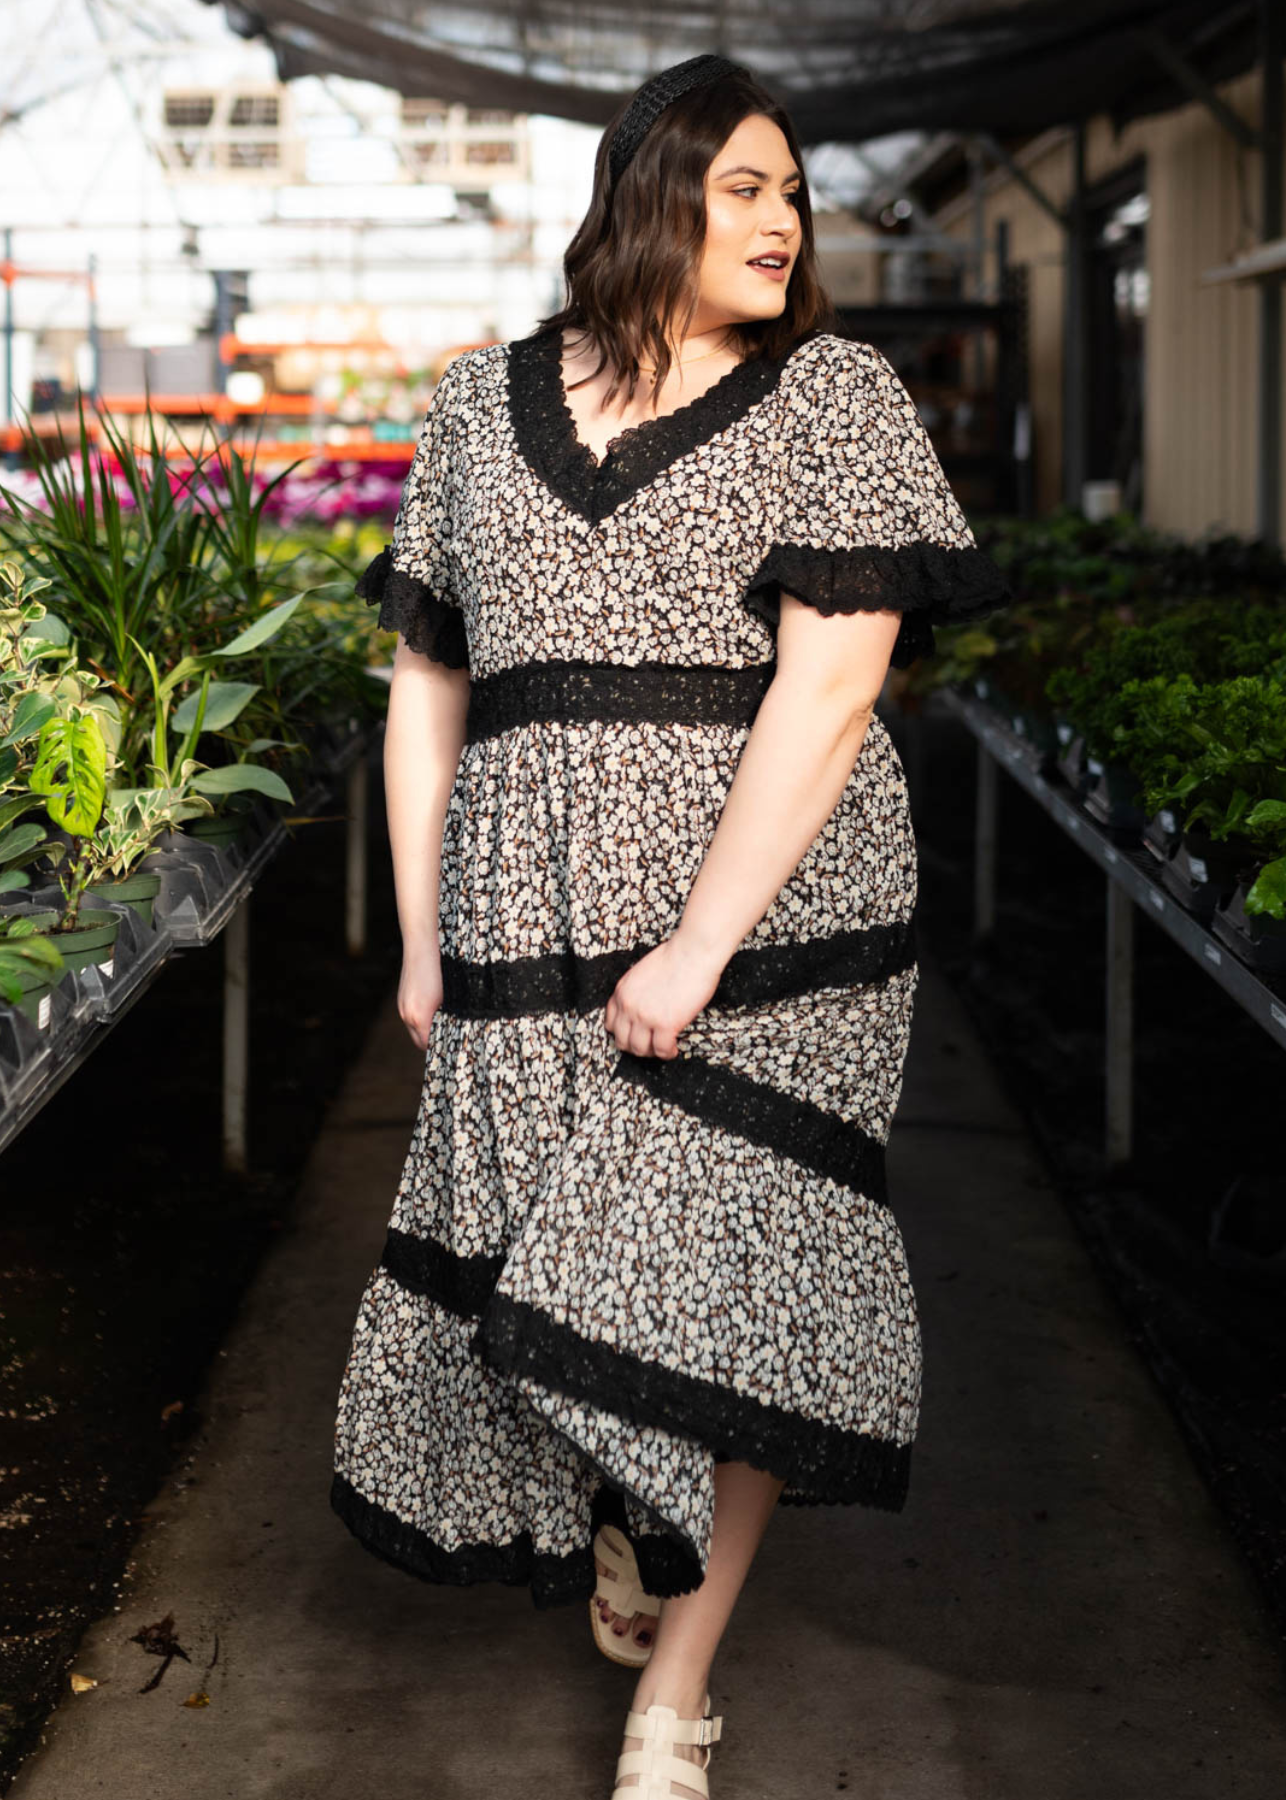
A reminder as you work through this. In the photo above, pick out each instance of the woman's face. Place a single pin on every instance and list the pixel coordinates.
(750, 213)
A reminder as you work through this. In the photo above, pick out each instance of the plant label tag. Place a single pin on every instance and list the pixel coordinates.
(43, 1011)
(1093, 764)
(1197, 864)
(1168, 821)
(108, 967)
(1213, 955)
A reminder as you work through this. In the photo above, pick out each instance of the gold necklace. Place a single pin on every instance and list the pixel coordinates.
(650, 368)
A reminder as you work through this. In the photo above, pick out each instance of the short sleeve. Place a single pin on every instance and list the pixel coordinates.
(866, 519)
(410, 580)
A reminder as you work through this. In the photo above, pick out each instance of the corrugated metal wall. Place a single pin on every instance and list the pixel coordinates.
(1200, 399)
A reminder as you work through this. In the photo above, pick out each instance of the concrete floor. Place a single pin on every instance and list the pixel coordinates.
(1058, 1612)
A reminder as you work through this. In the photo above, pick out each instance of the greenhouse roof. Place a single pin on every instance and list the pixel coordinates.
(849, 70)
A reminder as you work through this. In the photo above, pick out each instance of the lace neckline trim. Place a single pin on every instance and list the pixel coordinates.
(547, 438)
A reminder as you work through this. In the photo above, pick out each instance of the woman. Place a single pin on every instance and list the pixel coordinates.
(655, 878)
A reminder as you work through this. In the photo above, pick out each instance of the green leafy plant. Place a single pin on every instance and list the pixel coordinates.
(1266, 824)
(70, 774)
(172, 573)
(1214, 752)
(25, 951)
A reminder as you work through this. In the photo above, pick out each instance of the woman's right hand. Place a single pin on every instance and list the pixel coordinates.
(419, 993)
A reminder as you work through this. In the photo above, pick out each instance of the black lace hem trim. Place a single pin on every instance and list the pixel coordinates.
(665, 1566)
(823, 1461)
(429, 624)
(578, 691)
(461, 1284)
(546, 432)
(755, 975)
(929, 583)
(783, 1123)
(554, 1580)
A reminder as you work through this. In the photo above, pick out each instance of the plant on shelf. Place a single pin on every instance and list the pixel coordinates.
(1119, 562)
(156, 562)
(1216, 753)
(1266, 827)
(1205, 640)
(30, 963)
(38, 682)
(70, 776)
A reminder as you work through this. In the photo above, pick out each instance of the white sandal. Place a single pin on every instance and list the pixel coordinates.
(657, 1767)
(624, 1594)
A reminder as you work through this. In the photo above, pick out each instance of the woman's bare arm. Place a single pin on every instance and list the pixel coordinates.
(800, 752)
(422, 743)
(807, 735)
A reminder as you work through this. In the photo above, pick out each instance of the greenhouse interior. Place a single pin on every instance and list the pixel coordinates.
(374, 672)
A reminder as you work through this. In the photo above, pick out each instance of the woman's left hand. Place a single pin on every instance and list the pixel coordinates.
(660, 994)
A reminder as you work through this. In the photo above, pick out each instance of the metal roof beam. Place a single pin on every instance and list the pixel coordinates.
(997, 150)
(1177, 65)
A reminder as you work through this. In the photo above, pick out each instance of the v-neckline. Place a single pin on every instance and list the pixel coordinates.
(548, 440)
(610, 448)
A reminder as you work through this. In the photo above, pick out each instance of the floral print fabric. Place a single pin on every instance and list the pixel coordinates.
(606, 1273)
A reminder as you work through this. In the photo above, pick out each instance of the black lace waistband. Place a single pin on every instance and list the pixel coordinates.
(755, 975)
(576, 692)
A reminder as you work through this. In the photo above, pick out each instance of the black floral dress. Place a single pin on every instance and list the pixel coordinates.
(605, 1273)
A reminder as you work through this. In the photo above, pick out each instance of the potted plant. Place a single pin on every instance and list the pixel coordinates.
(1253, 918)
(1209, 753)
(25, 704)
(70, 774)
(30, 967)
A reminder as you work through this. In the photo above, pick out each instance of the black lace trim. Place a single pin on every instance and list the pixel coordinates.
(577, 691)
(753, 976)
(823, 1460)
(554, 1580)
(461, 1284)
(930, 583)
(656, 1554)
(429, 624)
(780, 1122)
(546, 432)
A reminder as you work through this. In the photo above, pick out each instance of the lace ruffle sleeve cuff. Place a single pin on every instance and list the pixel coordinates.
(930, 584)
(431, 625)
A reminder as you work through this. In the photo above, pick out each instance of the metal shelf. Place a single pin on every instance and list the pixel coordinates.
(77, 1034)
(1131, 875)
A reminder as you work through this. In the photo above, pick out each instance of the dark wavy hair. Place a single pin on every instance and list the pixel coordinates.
(634, 260)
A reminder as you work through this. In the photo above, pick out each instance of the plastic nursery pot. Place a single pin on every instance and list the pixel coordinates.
(1203, 869)
(138, 891)
(1069, 756)
(1222, 860)
(1114, 798)
(1161, 834)
(37, 985)
(91, 941)
(222, 828)
(1258, 938)
(1037, 729)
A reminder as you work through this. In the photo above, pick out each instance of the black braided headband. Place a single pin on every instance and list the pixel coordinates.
(655, 95)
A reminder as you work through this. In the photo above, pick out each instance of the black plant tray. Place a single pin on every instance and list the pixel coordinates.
(1162, 835)
(1199, 894)
(1260, 943)
(1121, 819)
